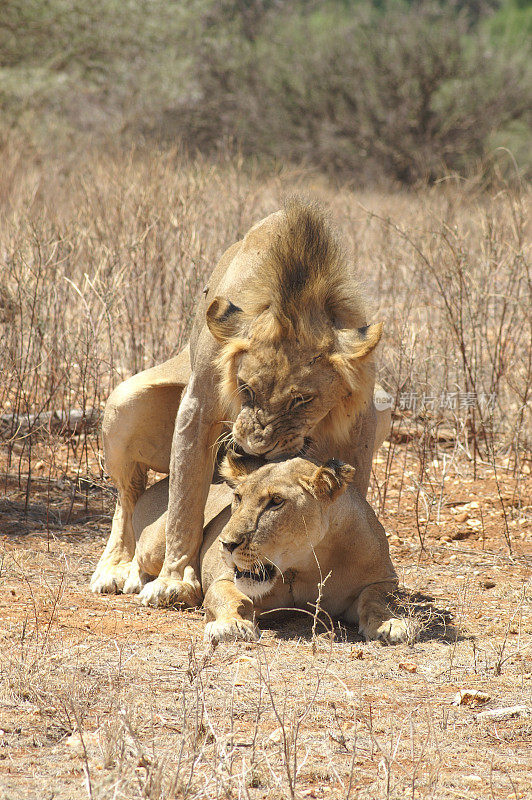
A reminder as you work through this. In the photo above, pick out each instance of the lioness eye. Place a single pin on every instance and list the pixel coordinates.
(276, 501)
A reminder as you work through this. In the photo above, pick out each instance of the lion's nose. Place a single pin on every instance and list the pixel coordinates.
(232, 545)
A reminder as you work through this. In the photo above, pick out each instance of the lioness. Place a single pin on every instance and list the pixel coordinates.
(281, 353)
(292, 526)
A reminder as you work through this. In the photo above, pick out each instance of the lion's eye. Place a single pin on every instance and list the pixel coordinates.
(299, 400)
(276, 501)
(246, 392)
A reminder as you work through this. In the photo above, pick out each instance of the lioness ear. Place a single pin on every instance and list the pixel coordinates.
(235, 467)
(329, 481)
(224, 319)
(360, 342)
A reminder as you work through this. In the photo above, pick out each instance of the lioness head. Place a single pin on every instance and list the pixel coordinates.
(277, 516)
(296, 361)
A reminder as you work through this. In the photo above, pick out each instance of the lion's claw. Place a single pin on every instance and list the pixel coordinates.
(169, 592)
(394, 631)
(229, 631)
(110, 578)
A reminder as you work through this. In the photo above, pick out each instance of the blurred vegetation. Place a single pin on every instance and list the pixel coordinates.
(411, 91)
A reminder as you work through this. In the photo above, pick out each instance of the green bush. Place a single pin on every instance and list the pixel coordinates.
(411, 91)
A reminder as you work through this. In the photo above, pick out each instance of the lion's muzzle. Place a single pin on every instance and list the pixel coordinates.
(269, 440)
(231, 545)
(251, 575)
(252, 436)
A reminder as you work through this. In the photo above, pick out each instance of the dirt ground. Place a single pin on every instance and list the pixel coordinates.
(103, 698)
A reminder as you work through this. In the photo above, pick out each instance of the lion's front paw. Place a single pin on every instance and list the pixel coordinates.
(227, 630)
(170, 592)
(135, 581)
(109, 578)
(393, 631)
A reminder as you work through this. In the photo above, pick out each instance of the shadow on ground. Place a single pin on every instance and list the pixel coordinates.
(431, 622)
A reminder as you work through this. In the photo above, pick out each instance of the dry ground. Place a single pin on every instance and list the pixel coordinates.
(104, 698)
(101, 255)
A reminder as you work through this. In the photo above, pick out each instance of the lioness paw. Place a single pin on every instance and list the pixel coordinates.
(393, 631)
(109, 578)
(170, 592)
(230, 630)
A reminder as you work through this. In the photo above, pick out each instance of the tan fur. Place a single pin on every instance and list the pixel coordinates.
(282, 313)
(303, 291)
(323, 531)
(304, 279)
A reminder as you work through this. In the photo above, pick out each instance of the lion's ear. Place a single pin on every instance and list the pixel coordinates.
(329, 481)
(235, 467)
(360, 342)
(224, 319)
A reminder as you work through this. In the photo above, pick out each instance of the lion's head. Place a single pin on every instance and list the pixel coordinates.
(296, 361)
(277, 516)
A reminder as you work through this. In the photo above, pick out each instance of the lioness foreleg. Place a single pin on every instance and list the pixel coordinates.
(229, 613)
(375, 616)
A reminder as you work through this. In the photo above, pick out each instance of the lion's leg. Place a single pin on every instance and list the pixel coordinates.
(359, 451)
(191, 469)
(137, 431)
(375, 616)
(115, 562)
(383, 408)
(363, 457)
(229, 613)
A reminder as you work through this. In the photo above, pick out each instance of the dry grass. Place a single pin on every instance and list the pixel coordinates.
(101, 256)
(101, 697)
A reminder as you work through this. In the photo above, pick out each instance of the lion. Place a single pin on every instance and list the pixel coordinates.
(280, 354)
(295, 529)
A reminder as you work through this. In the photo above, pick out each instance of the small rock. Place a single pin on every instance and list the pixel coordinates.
(470, 697)
(276, 735)
(488, 584)
(464, 508)
(408, 666)
(458, 536)
(78, 745)
(462, 517)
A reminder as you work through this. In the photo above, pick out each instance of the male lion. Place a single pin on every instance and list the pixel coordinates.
(282, 355)
(293, 526)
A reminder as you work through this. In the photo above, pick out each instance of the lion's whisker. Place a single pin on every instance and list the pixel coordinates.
(276, 566)
(219, 441)
(235, 393)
